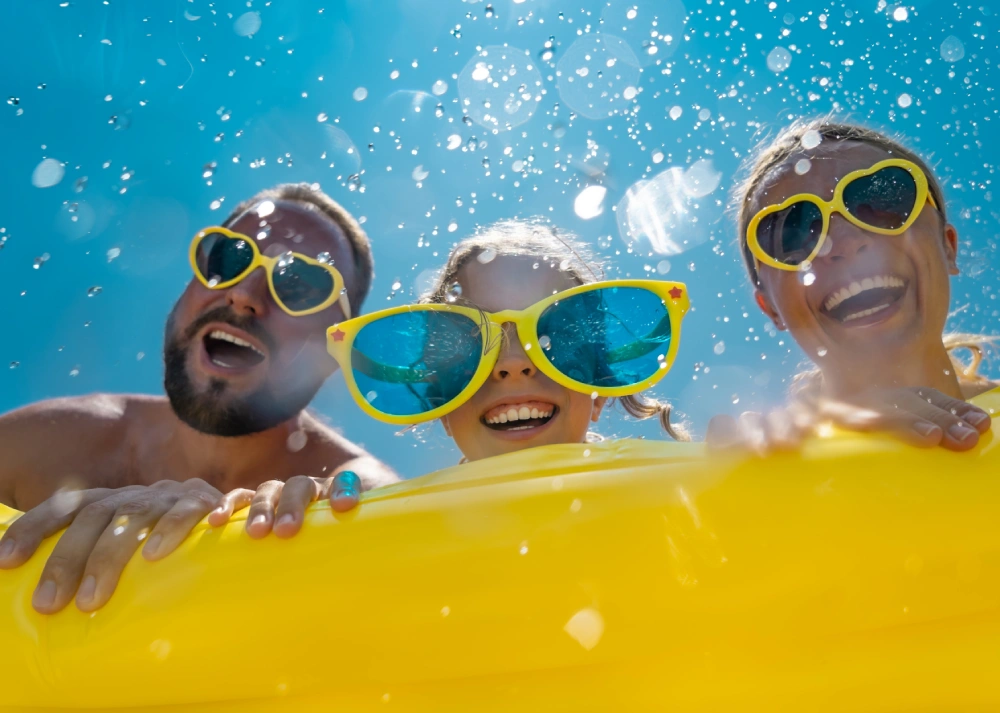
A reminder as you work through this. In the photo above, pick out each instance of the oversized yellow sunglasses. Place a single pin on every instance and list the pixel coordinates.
(411, 364)
(885, 199)
(299, 284)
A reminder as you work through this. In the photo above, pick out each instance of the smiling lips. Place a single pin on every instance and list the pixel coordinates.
(518, 416)
(863, 298)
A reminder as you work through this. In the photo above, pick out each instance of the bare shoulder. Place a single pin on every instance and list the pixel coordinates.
(58, 441)
(335, 453)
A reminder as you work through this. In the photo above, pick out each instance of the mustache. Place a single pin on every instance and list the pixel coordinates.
(225, 315)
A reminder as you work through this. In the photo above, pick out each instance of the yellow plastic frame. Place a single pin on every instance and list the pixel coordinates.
(828, 208)
(340, 339)
(268, 263)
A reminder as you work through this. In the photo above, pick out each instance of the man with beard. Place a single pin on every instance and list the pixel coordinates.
(245, 353)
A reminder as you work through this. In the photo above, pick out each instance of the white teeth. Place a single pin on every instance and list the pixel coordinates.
(856, 288)
(520, 413)
(227, 337)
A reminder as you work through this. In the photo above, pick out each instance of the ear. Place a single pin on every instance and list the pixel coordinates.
(951, 248)
(447, 426)
(598, 406)
(767, 308)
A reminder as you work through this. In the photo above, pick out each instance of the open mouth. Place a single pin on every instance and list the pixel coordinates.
(230, 352)
(864, 298)
(519, 416)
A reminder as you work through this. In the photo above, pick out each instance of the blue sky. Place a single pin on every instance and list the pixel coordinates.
(116, 111)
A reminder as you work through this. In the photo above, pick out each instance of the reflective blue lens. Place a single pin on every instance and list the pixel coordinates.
(411, 363)
(220, 258)
(614, 336)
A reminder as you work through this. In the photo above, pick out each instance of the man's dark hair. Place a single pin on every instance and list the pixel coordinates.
(311, 195)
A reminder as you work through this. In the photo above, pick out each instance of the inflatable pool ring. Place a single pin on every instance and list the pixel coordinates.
(856, 575)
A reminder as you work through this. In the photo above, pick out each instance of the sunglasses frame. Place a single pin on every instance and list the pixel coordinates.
(340, 340)
(269, 263)
(828, 208)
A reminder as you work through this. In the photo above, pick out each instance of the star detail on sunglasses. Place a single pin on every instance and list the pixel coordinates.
(338, 336)
(676, 293)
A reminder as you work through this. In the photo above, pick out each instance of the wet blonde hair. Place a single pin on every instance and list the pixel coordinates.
(771, 153)
(536, 237)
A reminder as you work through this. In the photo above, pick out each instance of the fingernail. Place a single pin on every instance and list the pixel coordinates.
(153, 545)
(976, 417)
(286, 519)
(258, 520)
(7, 549)
(44, 595)
(349, 479)
(925, 428)
(87, 589)
(960, 431)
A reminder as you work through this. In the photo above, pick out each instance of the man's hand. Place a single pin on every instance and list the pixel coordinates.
(280, 506)
(919, 416)
(105, 529)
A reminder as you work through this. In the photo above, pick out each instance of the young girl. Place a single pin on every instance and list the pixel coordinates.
(540, 377)
(846, 241)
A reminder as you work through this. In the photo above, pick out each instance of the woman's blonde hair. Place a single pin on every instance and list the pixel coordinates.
(536, 237)
(771, 153)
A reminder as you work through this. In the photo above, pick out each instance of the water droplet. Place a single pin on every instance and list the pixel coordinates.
(264, 233)
(524, 548)
(296, 441)
(900, 14)
(657, 156)
(736, 398)
(486, 255)
(952, 49)
(779, 59)
(821, 352)
(802, 166)
(215, 205)
(15, 364)
(371, 396)
(489, 11)
(113, 253)
(41, 260)
(265, 209)
(80, 184)
(321, 117)
(208, 170)
(454, 292)
(360, 94)
(675, 112)
(663, 267)
(247, 24)
(13, 101)
(454, 141)
(589, 203)
(452, 227)
(420, 173)
(904, 100)
(439, 87)
(593, 396)
(75, 371)
(808, 278)
(94, 291)
(719, 348)
(545, 342)
(486, 163)
(47, 173)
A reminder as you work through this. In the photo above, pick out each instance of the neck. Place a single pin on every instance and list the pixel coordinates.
(241, 461)
(931, 368)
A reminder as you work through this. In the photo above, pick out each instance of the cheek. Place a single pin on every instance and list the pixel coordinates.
(580, 407)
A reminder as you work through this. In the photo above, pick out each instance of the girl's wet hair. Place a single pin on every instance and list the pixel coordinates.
(536, 237)
(771, 153)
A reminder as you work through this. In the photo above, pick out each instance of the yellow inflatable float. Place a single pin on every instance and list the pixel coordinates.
(625, 576)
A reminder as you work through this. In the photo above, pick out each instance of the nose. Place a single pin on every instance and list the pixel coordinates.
(513, 362)
(250, 295)
(845, 241)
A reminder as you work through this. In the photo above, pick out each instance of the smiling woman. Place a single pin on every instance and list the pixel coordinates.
(845, 237)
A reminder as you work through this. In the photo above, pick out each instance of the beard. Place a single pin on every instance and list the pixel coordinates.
(217, 410)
